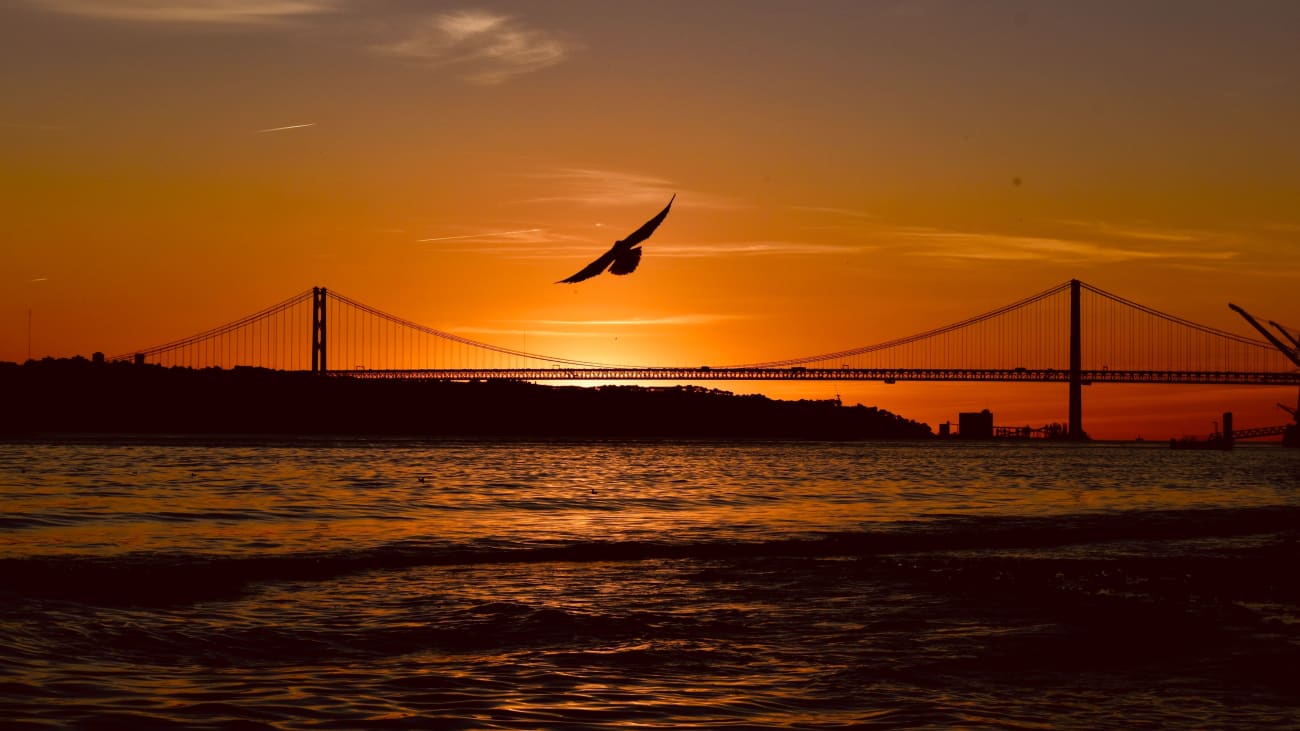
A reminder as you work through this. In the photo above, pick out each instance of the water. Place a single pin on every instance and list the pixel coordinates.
(408, 584)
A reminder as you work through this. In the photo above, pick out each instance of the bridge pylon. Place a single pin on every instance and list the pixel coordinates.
(1076, 364)
(318, 362)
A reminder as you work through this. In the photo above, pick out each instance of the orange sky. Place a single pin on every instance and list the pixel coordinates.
(846, 173)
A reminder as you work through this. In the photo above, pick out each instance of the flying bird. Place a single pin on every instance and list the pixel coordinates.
(624, 256)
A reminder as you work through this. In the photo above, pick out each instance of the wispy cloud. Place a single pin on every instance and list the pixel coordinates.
(1286, 228)
(485, 47)
(1004, 247)
(574, 247)
(524, 251)
(831, 211)
(189, 11)
(493, 236)
(757, 248)
(667, 320)
(528, 243)
(597, 328)
(1139, 232)
(530, 332)
(481, 46)
(610, 188)
(594, 187)
(285, 128)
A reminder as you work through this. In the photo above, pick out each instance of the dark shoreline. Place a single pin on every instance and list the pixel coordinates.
(74, 398)
(360, 440)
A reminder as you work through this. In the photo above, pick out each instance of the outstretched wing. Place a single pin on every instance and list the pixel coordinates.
(622, 255)
(626, 262)
(648, 227)
(594, 268)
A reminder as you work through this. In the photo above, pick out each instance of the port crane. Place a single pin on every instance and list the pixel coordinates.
(1291, 349)
(1295, 339)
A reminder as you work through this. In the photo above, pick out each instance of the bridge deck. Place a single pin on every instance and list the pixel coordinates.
(1258, 432)
(886, 375)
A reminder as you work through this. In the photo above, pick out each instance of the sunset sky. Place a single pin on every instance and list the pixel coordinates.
(846, 173)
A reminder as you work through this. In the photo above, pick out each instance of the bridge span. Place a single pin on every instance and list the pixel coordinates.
(797, 373)
(1073, 333)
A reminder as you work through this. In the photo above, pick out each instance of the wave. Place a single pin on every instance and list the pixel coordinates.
(153, 578)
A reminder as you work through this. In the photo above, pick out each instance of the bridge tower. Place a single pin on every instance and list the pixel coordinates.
(1076, 365)
(318, 364)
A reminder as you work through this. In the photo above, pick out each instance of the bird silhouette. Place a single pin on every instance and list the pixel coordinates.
(624, 256)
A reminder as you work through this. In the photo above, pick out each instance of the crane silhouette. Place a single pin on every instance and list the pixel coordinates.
(624, 256)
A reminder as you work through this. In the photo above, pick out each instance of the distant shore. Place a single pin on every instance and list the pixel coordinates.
(75, 397)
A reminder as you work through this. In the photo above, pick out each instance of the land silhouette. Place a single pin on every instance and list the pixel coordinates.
(76, 395)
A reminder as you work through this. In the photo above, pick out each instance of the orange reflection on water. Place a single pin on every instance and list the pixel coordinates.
(240, 499)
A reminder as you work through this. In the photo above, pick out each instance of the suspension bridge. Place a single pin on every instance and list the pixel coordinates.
(1072, 333)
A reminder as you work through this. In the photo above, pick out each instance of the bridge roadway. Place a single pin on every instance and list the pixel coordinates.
(887, 375)
(1260, 431)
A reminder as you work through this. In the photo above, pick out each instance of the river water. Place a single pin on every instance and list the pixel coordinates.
(300, 584)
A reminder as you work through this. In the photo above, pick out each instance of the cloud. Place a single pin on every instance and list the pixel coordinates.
(669, 320)
(1004, 247)
(595, 187)
(482, 46)
(837, 212)
(482, 236)
(757, 248)
(485, 47)
(582, 328)
(577, 248)
(189, 11)
(479, 331)
(1139, 232)
(529, 243)
(1286, 228)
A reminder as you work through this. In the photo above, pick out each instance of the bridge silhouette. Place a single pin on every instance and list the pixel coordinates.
(1072, 333)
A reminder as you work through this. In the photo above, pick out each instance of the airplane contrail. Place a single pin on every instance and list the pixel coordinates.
(481, 236)
(281, 129)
